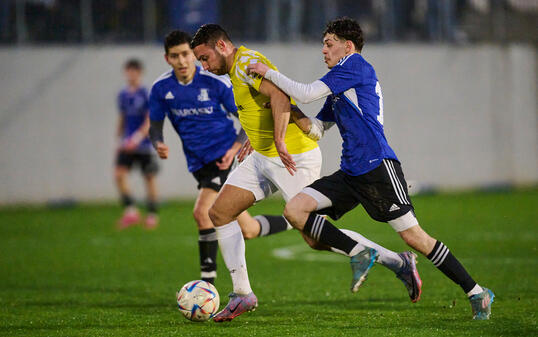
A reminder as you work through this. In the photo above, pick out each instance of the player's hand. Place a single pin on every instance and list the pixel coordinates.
(129, 145)
(246, 149)
(228, 158)
(257, 68)
(162, 150)
(286, 158)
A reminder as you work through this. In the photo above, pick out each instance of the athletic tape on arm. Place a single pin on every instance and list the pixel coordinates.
(317, 128)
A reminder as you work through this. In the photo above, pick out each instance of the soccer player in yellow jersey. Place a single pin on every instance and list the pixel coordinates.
(284, 159)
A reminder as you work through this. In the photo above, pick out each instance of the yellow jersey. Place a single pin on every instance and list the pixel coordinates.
(256, 120)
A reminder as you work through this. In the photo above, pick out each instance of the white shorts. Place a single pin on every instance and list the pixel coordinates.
(263, 175)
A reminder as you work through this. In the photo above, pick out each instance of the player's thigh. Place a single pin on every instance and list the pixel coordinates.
(231, 201)
(308, 166)
(333, 194)
(148, 164)
(123, 164)
(383, 194)
(249, 176)
(121, 172)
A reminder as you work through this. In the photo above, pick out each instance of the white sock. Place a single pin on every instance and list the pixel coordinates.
(387, 258)
(232, 248)
(476, 290)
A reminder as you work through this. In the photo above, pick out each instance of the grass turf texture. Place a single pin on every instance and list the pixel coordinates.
(68, 272)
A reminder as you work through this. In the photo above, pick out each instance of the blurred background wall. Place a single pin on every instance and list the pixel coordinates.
(458, 77)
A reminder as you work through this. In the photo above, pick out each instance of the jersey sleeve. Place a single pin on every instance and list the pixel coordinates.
(227, 98)
(253, 80)
(342, 77)
(157, 105)
(326, 113)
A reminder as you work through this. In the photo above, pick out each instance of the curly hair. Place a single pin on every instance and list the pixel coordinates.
(209, 34)
(348, 29)
(175, 38)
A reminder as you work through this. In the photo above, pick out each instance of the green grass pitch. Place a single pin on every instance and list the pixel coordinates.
(68, 272)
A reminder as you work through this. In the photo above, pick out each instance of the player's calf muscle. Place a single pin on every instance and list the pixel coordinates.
(418, 239)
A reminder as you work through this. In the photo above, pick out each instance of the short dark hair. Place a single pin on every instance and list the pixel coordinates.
(175, 38)
(209, 34)
(346, 28)
(133, 64)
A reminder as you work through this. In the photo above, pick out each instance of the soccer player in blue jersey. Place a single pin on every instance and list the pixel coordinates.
(134, 147)
(198, 104)
(370, 173)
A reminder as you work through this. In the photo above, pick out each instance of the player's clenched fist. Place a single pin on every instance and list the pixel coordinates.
(162, 150)
(257, 68)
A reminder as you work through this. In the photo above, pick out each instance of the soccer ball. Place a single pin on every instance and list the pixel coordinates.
(198, 300)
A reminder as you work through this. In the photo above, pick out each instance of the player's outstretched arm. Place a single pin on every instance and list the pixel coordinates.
(313, 127)
(280, 107)
(301, 92)
(157, 139)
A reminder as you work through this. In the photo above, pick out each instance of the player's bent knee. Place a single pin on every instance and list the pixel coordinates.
(291, 213)
(218, 217)
(213, 215)
(200, 215)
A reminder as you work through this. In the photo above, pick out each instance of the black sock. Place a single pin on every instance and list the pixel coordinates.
(208, 244)
(271, 224)
(152, 207)
(320, 229)
(126, 200)
(443, 259)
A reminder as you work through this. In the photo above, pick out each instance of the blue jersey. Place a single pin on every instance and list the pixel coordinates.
(198, 112)
(356, 105)
(133, 106)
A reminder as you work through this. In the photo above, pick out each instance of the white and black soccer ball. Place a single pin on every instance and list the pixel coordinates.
(198, 300)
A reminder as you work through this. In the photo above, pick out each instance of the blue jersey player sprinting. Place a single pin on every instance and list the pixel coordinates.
(370, 173)
(198, 104)
(135, 147)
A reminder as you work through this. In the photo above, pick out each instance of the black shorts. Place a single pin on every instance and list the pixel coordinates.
(146, 161)
(382, 192)
(210, 176)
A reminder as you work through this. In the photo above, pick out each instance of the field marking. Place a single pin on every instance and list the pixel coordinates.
(302, 252)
